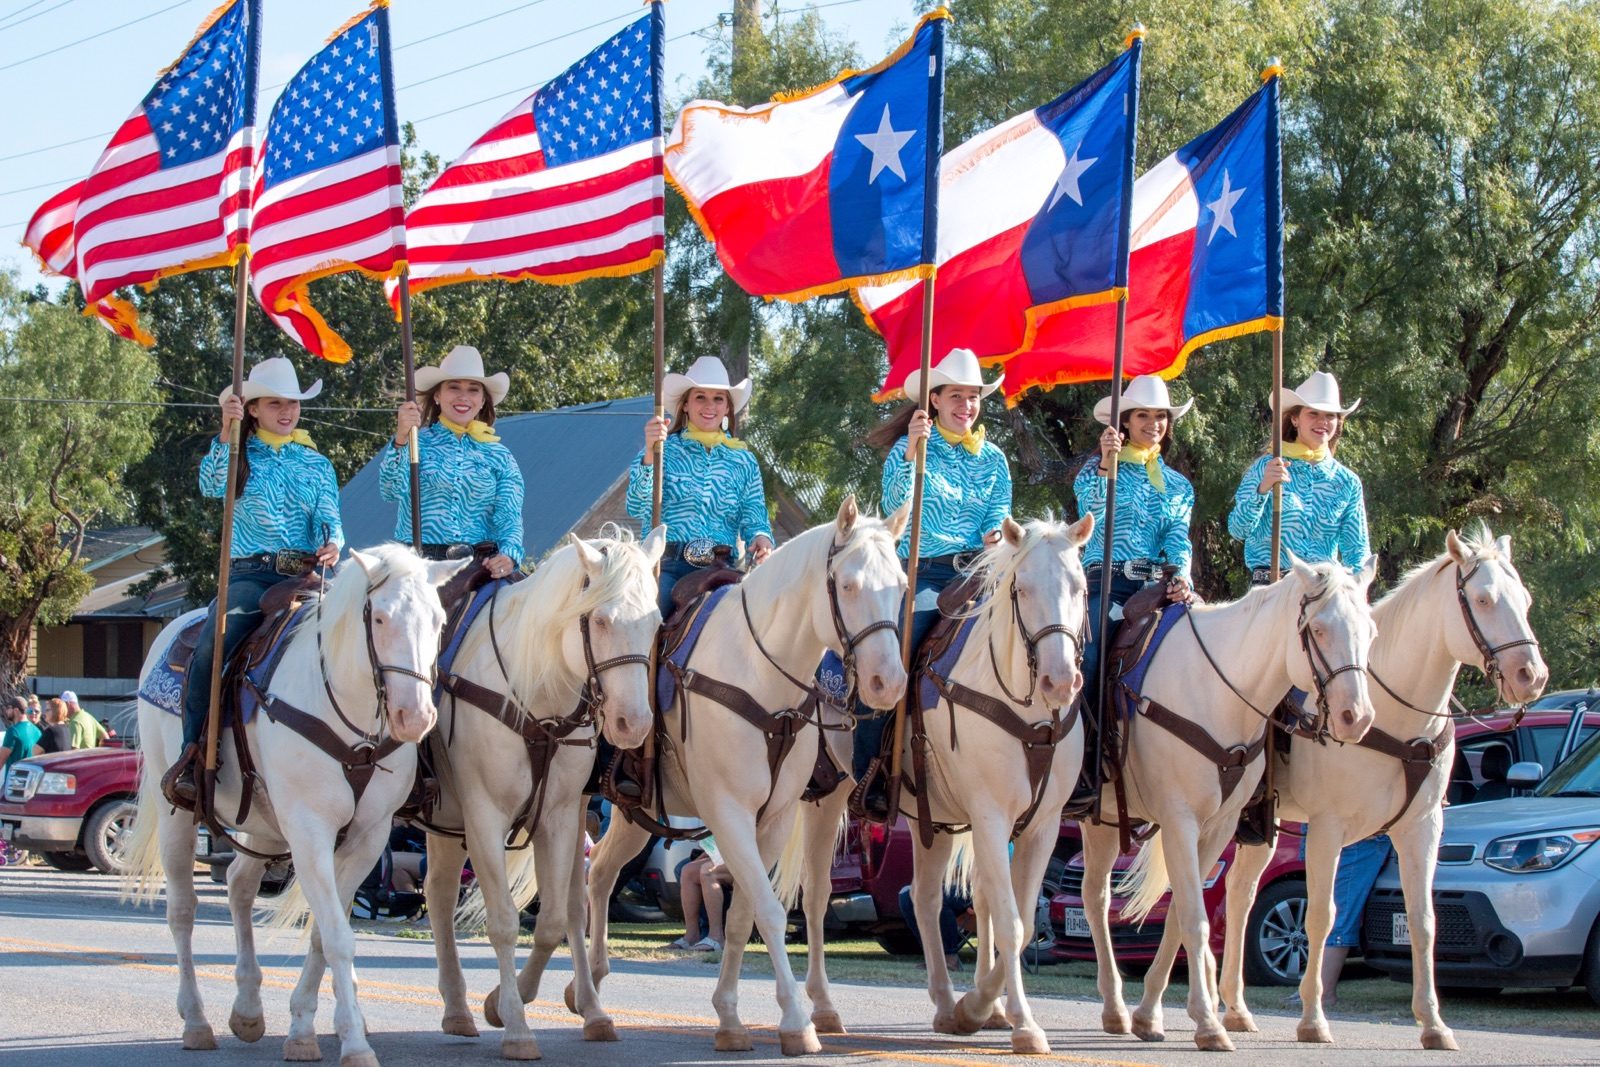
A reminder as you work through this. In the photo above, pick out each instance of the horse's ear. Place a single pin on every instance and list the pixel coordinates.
(1456, 548)
(1080, 532)
(1369, 571)
(594, 562)
(440, 573)
(897, 522)
(1304, 571)
(1503, 543)
(656, 543)
(1012, 531)
(845, 523)
(366, 561)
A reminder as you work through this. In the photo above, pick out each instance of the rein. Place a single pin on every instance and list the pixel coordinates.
(1031, 643)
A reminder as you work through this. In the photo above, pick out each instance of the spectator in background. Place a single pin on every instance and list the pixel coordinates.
(21, 735)
(86, 729)
(55, 734)
(955, 908)
(704, 879)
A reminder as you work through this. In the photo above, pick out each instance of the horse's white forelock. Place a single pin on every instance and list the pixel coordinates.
(534, 615)
(995, 566)
(344, 641)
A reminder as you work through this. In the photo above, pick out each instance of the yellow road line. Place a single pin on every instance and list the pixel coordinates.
(546, 1011)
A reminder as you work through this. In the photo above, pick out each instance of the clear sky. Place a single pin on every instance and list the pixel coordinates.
(72, 75)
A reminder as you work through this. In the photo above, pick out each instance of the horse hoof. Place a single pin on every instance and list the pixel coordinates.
(1216, 1041)
(1240, 1022)
(828, 1022)
(945, 1023)
(491, 1008)
(199, 1038)
(732, 1041)
(1440, 1040)
(1148, 1029)
(519, 1048)
(970, 1016)
(802, 1042)
(571, 998)
(1030, 1043)
(600, 1030)
(247, 1029)
(1313, 1034)
(997, 1021)
(1114, 1021)
(459, 1024)
(301, 1050)
(359, 1059)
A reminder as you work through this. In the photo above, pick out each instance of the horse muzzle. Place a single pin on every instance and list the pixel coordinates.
(626, 723)
(881, 685)
(412, 724)
(1060, 690)
(1523, 676)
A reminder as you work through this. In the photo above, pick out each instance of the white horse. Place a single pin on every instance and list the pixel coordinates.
(1221, 670)
(837, 586)
(303, 801)
(584, 622)
(1350, 792)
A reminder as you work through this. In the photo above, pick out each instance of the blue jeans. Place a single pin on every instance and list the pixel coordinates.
(931, 580)
(672, 570)
(1359, 864)
(950, 909)
(247, 583)
(1121, 589)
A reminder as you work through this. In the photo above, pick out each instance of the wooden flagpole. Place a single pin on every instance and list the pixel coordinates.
(1277, 446)
(408, 356)
(1273, 71)
(241, 293)
(660, 346)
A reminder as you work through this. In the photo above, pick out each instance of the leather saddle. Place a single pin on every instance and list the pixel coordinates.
(278, 607)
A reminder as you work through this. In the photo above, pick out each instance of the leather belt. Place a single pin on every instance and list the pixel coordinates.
(291, 562)
(1135, 570)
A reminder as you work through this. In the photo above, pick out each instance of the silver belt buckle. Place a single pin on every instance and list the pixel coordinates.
(701, 552)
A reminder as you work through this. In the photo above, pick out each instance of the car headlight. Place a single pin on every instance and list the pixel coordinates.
(1531, 853)
(57, 783)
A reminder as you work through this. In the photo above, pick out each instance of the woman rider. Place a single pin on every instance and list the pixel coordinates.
(285, 521)
(966, 495)
(1154, 505)
(471, 484)
(712, 494)
(1324, 518)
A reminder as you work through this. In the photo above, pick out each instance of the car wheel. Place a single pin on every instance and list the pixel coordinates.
(1275, 944)
(108, 834)
(899, 942)
(1591, 964)
(66, 861)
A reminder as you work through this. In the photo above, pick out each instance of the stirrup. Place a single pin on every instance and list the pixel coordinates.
(181, 784)
(869, 800)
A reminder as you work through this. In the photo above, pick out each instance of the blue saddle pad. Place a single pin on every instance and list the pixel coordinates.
(1127, 691)
(163, 686)
(447, 657)
(927, 691)
(666, 681)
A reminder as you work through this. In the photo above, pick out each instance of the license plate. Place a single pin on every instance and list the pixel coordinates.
(1074, 923)
(1402, 929)
(202, 845)
(6, 830)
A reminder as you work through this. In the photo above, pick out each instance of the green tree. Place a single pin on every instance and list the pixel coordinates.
(61, 464)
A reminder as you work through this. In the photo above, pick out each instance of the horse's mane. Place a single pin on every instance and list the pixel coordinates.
(1407, 599)
(536, 613)
(344, 599)
(995, 566)
(1331, 578)
(802, 555)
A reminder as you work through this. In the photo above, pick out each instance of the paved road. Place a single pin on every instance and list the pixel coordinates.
(85, 982)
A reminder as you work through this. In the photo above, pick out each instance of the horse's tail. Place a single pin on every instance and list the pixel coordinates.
(789, 874)
(958, 868)
(523, 880)
(1146, 881)
(145, 876)
(288, 913)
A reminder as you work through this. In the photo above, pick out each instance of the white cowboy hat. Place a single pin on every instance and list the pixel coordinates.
(273, 377)
(958, 367)
(1320, 392)
(1145, 391)
(464, 364)
(707, 372)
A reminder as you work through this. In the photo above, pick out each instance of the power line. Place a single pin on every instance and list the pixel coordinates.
(466, 25)
(519, 51)
(320, 409)
(93, 36)
(53, 147)
(33, 16)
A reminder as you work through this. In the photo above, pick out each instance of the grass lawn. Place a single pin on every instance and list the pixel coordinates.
(1365, 998)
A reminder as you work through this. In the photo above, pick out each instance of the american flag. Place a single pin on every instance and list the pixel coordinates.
(567, 186)
(328, 195)
(171, 192)
(49, 237)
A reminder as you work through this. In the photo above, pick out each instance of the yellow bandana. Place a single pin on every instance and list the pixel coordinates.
(1151, 458)
(1296, 450)
(972, 440)
(712, 438)
(277, 440)
(477, 429)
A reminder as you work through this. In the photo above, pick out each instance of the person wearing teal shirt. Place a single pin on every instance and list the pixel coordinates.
(285, 520)
(1324, 506)
(712, 493)
(966, 495)
(472, 487)
(20, 737)
(1154, 507)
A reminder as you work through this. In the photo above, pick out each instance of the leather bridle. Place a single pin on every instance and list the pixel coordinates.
(1031, 643)
(374, 737)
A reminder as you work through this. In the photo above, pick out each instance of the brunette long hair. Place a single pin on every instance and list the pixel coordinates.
(1291, 434)
(680, 418)
(883, 436)
(430, 405)
(247, 429)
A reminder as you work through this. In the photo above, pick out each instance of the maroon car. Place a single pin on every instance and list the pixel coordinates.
(75, 809)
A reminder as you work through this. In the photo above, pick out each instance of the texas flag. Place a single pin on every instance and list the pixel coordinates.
(826, 189)
(1032, 220)
(1206, 260)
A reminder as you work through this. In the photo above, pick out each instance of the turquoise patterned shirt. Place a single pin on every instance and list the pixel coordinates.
(715, 493)
(1324, 515)
(471, 490)
(1151, 524)
(963, 496)
(290, 501)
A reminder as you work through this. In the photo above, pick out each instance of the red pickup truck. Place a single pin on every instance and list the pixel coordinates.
(75, 809)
